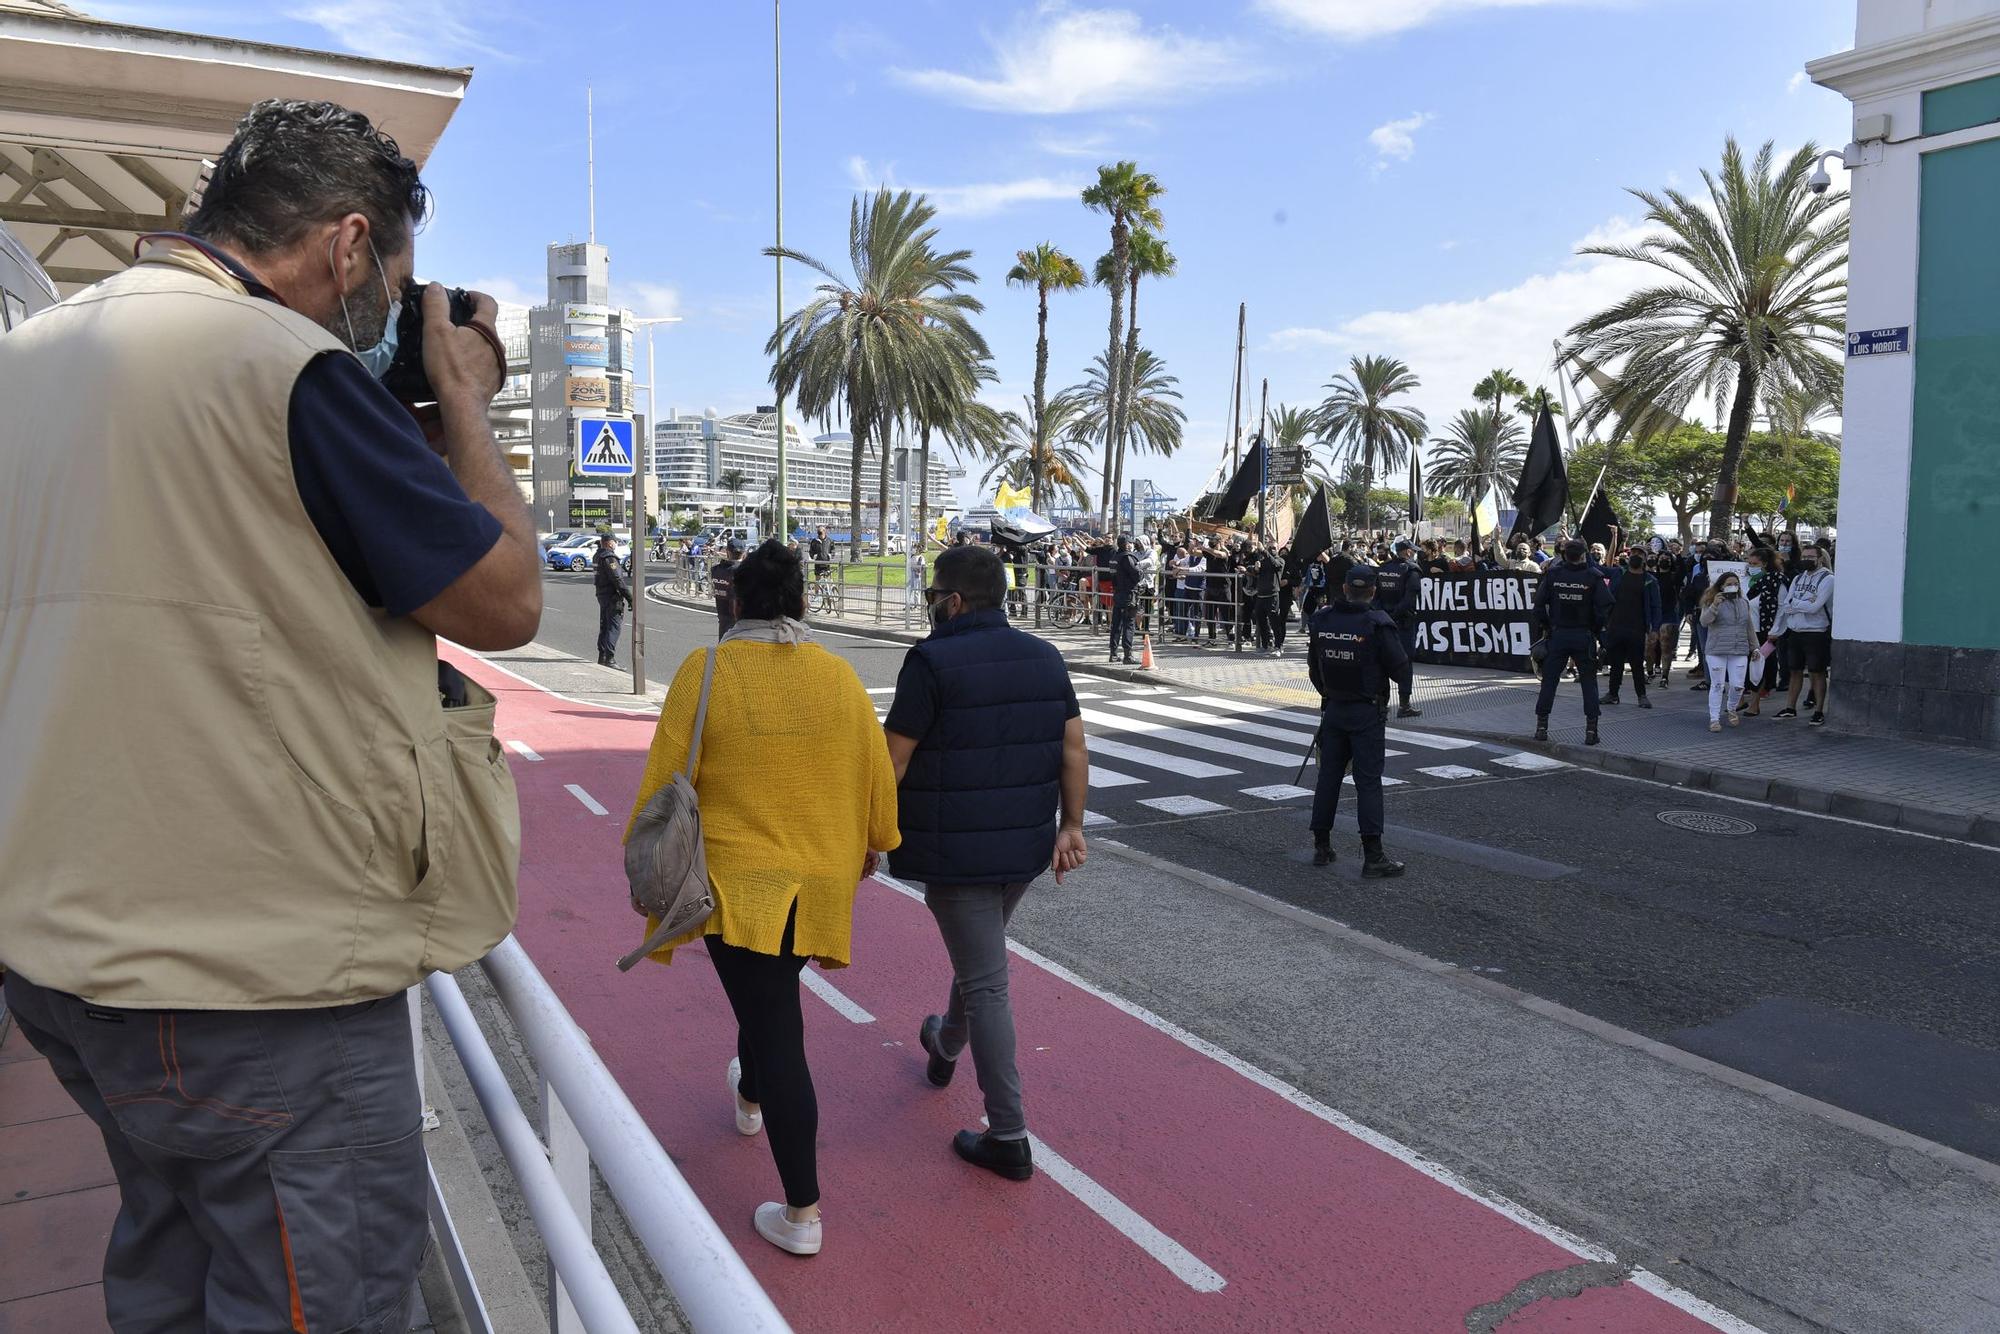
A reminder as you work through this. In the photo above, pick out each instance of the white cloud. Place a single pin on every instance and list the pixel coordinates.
(1397, 138)
(410, 30)
(1357, 20)
(976, 200)
(1064, 60)
(648, 298)
(1451, 345)
(509, 291)
(1796, 82)
(1081, 145)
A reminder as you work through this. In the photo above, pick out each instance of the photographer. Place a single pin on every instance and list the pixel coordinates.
(284, 827)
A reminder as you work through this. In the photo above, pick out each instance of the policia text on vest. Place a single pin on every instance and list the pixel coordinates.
(1475, 619)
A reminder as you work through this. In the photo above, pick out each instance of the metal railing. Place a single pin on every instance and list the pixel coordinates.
(586, 1116)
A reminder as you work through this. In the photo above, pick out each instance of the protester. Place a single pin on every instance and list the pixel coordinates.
(1805, 621)
(209, 945)
(1281, 614)
(987, 742)
(1635, 614)
(1261, 568)
(1570, 606)
(1764, 593)
(787, 843)
(1694, 583)
(1221, 588)
(1664, 642)
(1353, 653)
(721, 586)
(1729, 622)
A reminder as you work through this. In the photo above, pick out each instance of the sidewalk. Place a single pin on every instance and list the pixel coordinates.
(1949, 791)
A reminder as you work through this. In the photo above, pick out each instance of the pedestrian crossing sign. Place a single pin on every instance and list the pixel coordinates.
(603, 447)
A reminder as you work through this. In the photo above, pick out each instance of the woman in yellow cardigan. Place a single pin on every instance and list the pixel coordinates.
(798, 800)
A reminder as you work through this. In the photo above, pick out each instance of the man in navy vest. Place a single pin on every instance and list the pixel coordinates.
(987, 739)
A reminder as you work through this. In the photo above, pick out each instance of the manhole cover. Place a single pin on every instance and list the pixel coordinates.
(1705, 822)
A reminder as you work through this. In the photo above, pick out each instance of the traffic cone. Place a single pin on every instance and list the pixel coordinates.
(1146, 652)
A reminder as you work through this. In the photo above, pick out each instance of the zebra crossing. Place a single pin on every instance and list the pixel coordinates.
(1157, 752)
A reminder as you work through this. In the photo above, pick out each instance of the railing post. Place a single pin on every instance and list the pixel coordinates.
(570, 1157)
(879, 569)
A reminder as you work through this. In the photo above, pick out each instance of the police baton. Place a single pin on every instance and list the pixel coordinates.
(1311, 746)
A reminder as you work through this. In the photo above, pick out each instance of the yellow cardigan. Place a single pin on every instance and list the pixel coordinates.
(795, 785)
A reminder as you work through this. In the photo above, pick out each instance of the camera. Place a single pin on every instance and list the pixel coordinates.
(406, 378)
(1819, 181)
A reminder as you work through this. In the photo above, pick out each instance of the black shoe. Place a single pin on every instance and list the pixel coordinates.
(1004, 1157)
(1131, 661)
(1376, 865)
(1699, 685)
(1590, 733)
(1322, 854)
(1810, 703)
(1409, 710)
(1645, 703)
(1818, 719)
(1541, 729)
(940, 1069)
(1611, 699)
(1786, 713)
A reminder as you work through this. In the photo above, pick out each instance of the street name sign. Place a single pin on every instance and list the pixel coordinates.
(1876, 342)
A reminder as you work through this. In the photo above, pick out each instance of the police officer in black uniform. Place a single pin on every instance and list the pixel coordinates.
(1353, 655)
(614, 595)
(722, 583)
(1571, 607)
(1396, 595)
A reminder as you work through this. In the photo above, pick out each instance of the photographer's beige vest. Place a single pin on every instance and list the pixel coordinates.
(225, 782)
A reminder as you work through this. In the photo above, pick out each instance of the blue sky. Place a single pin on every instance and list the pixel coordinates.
(1409, 177)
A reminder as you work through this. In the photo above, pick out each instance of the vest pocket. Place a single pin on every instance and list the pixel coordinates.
(475, 906)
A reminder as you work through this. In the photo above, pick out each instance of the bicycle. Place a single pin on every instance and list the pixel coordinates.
(1067, 609)
(824, 599)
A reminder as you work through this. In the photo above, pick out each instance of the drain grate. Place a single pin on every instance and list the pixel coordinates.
(1706, 822)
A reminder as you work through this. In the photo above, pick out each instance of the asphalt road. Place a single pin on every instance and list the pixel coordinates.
(1854, 964)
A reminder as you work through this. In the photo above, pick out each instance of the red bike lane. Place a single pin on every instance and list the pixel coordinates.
(1177, 1189)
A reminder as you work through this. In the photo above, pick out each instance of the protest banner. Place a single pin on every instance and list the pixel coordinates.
(1476, 618)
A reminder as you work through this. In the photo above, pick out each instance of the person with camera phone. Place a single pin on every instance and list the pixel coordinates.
(260, 811)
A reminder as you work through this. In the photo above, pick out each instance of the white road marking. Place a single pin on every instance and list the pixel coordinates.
(826, 991)
(1386, 781)
(589, 802)
(1429, 740)
(1452, 771)
(1239, 750)
(1527, 759)
(1155, 759)
(1402, 1153)
(1289, 736)
(1092, 818)
(1422, 740)
(881, 690)
(1178, 1259)
(521, 748)
(1102, 777)
(1182, 805)
(1278, 792)
(1085, 694)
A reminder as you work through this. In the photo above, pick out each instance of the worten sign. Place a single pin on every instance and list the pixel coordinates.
(1482, 618)
(1876, 342)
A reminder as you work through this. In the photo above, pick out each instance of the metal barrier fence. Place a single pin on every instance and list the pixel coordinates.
(586, 1115)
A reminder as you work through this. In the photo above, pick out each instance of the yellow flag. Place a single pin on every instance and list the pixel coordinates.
(1007, 498)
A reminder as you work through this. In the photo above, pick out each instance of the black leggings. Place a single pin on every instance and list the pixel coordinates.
(763, 990)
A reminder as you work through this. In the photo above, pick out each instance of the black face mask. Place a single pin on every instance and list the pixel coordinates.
(1635, 564)
(939, 611)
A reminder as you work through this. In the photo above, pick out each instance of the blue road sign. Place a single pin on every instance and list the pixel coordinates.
(604, 447)
(1875, 342)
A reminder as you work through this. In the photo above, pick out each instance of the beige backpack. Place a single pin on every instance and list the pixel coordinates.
(665, 862)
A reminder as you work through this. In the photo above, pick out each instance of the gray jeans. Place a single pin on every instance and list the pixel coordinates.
(973, 921)
(270, 1164)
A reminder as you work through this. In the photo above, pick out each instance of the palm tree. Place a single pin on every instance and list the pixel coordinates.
(1155, 419)
(1150, 258)
(733, 481)
(1049, 447)
(876, 346)
(1046, 269)
(1357, 419)
(1126, 194)
(1478, 447)
(1756, 294)
(1532, 401)
(967, 426)
(1497, 385)
(1791, 410)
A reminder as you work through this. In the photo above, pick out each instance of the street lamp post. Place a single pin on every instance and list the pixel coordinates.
(642, 489)
(779, 503)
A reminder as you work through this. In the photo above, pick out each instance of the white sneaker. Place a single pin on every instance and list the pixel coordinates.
(782, 1232)
(747, 1122)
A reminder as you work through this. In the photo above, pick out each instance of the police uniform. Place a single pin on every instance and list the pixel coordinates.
(1396, 596)
(1354, 653)
(1571, 605)
(722, 583)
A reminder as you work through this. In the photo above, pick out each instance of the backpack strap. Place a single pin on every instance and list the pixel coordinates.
(700, 717)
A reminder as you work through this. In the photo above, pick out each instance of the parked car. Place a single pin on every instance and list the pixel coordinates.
(561, 554)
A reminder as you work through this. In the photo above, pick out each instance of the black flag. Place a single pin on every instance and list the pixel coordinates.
(1315, 535)
(1416, 490)
(1543, 492)
(1243, 487)
(1598, 520)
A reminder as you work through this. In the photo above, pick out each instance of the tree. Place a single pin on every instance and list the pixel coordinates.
(968, 427)
(1056, 439)
(1358, 499)
(1046, 269)
(1479, 450)
(1150, 259)
(1154, 417)
(1624, 484)
(1358, 421)
(878, 345)
(733, 481)
(1497, 385)
(1126, 194)
(1797, 477)
(1681, 467)
(1531, 403)
(1756, 295)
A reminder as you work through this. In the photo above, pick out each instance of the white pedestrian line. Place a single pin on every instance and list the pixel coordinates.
(1240, 750)
(1527, 759)
(1183, 805)
(1290, 736)
(1429, 740)
(1386, 781)
(1102, 777)
(1155, 759)
(1178, 1259)
(521, 748)
(1084, 694)
(1278, 792)
(1452, 771)
(589, 802)
(825, 990)
(1424, 740)
(1093, 818)
(881, 690)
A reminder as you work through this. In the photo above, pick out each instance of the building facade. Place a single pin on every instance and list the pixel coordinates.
(1916, 621)
(579, 365)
